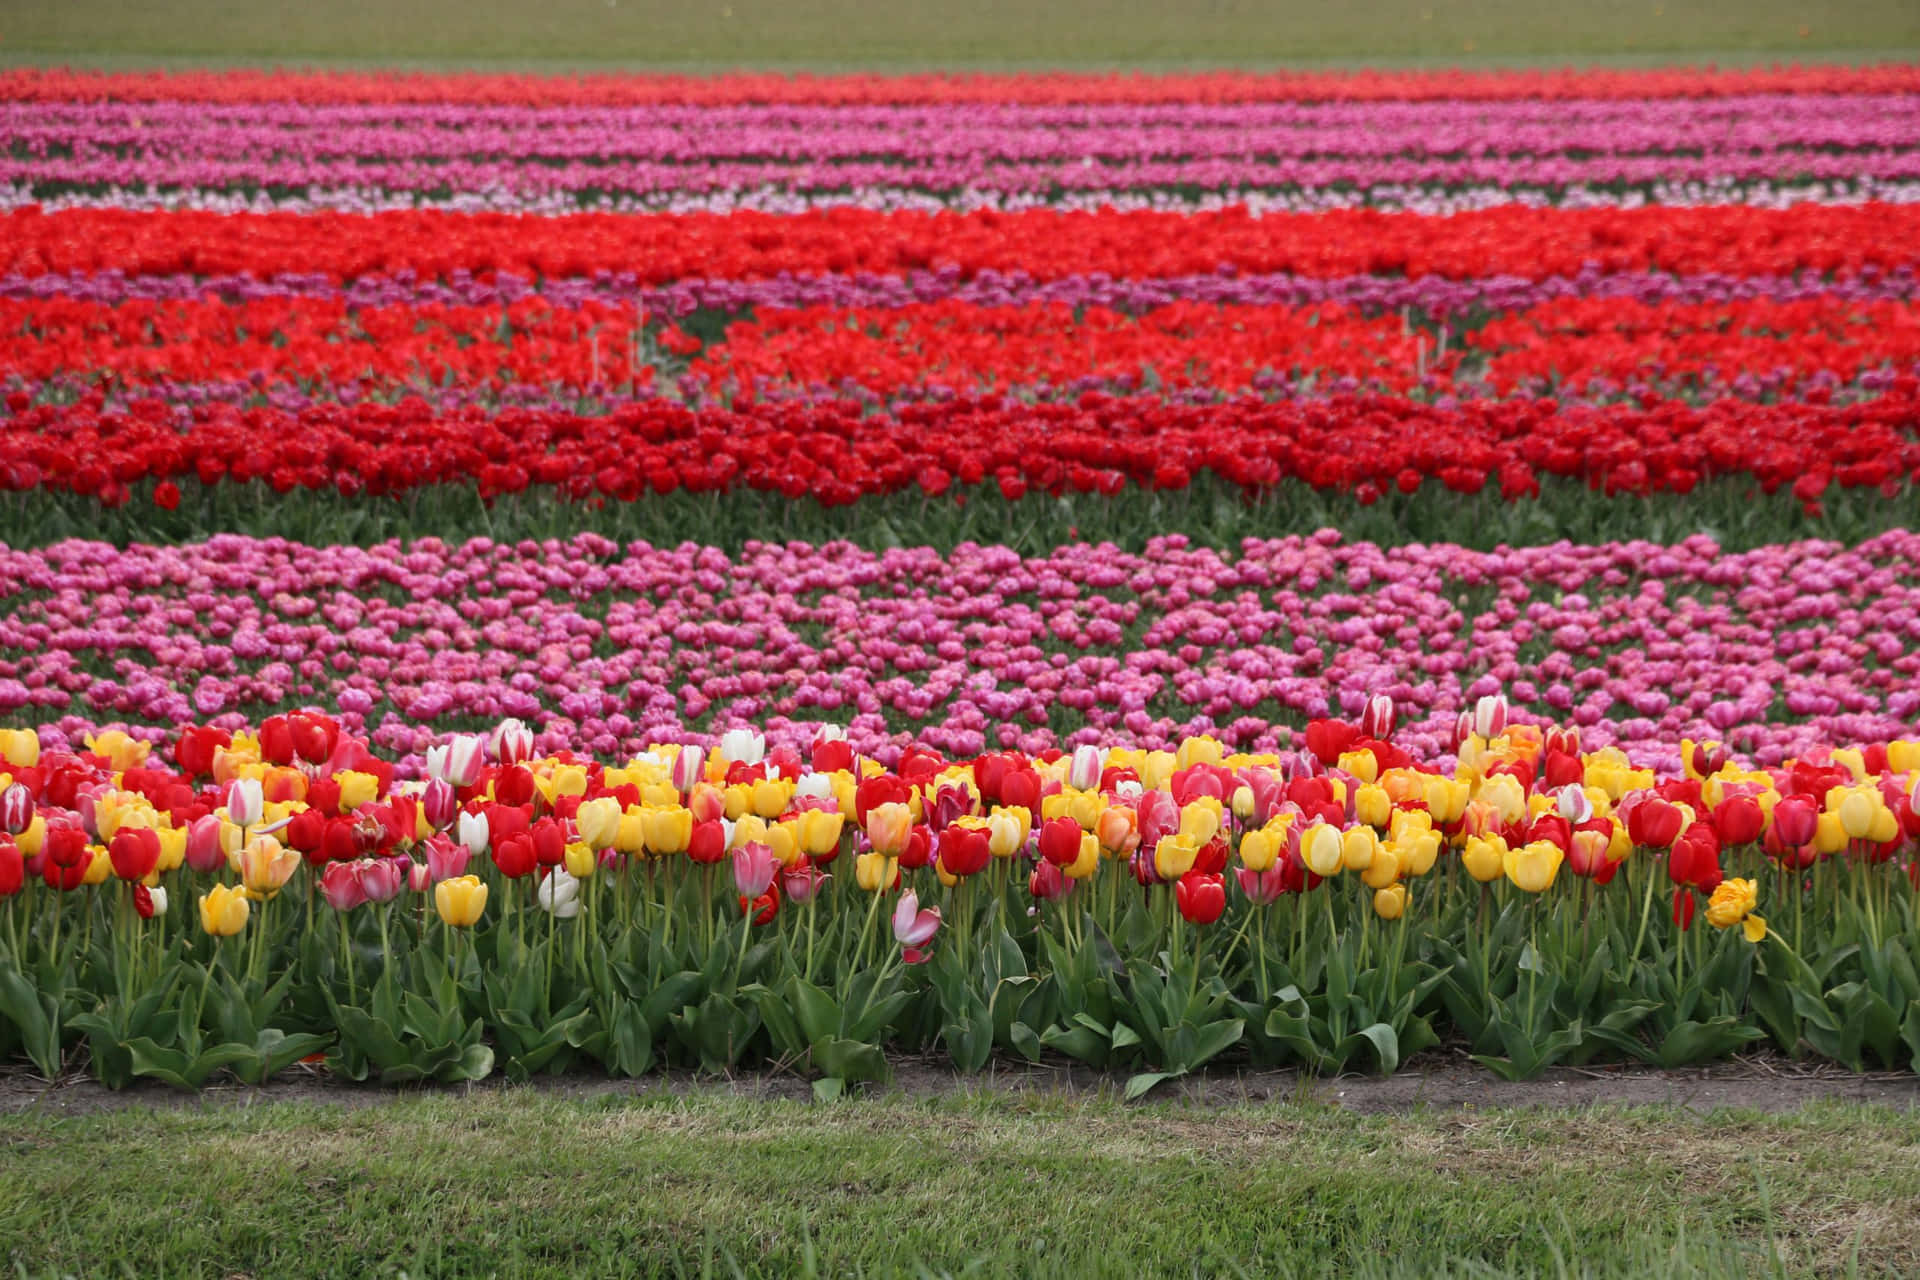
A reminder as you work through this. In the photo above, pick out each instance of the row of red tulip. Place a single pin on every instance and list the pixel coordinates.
(1508, 240)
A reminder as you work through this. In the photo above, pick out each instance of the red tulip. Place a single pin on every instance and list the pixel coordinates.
(1200, 896)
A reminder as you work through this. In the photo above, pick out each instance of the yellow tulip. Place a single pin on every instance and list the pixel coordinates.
(1854, 761)
(1447, 798)
(29, 842)
(1733, 903)
(1085, 808)
(1903, 755)
(599, 822)
(1241, 802)
(581, 861)
(356, 789)
(631, 837)
(1418, 851)
(874, 872)
(265, 867)
(1087, 861)
(173, 848)
(770, 797)
(1533, 866)
(1829, 837)
(20, 747)
(750, 829)
(1373, 806)
(1202, 750)
(1320, 849)
(818, 831)
(784, 839)
(1504, 793)
(1201, 819)
(1357, 846)
(1260, 848)
(223, 911)
(1390, 903)
(1361, 764)
(1174, 856)
(99, 869)
(667, 829)
(1382, 869)
(460, 900)
(1156, 770)
(1856, 812)
(1485, 857)
(1007, 831)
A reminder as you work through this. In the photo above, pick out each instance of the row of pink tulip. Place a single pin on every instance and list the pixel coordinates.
(603, 647)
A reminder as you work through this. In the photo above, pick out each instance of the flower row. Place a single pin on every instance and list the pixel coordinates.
(1429, 296)
(468, 90)
(1771, 346)
(1105, 895)
(1425, 201)
(604, 648)
(838, 452)
(1511, 240)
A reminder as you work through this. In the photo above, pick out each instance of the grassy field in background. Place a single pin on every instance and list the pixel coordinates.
(892, 33)
(528, 1183)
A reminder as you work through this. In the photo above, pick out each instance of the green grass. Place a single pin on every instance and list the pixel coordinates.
(894, 33)
(520, 1183)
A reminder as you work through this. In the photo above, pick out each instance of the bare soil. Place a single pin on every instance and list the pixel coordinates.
(1432, 1082)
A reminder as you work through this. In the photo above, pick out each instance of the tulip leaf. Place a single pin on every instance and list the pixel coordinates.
(1139, 1086)
(1025, 1043)
(829, 1089)
(1386, 1046)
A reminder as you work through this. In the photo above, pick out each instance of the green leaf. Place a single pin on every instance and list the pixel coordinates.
(1386, 1046)
(1140, 1085)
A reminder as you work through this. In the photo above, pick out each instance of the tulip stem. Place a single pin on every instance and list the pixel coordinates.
(740, 956)
(1646, 909)
(346, 952)
(813, 905)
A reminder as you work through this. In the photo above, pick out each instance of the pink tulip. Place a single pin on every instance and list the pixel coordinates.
(205, 853)
(1262, 887)
(912, 927)
(341, 886)
(753, 868)
(380, 878)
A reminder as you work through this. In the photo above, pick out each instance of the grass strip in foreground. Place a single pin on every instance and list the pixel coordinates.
(525, 1183)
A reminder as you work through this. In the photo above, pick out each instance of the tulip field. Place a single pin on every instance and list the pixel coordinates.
(509, 576)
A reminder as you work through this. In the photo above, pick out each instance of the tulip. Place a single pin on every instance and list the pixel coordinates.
(380, 878)
(1060, 841)
(265, 866)
(753, 869)
(598, 822)
(1260, 848)
(245, 803)
(818, 831)
(1048, 882)
(803, 881)
(223, 911)
(668, 830)
(1733, 903)
(1376, 719)
(512, 744)
(1357, 848)
(135, 853)
(149, 902)
(460, 761)
(1174, 856)
(889, 827)
(687, 769)
(743, 746)
(1083, 774)
(1390, 903)
(341, 887)
(1490, 716)
(1200, 897)
(473, 833)
(1322, 851)
(13, 869)
(1532, 866)
(1008, 829)
(914, 928)
(438, 804)
(1262, 887)
(16, 808)
(875, 871)
(559, 894)
(461, 900)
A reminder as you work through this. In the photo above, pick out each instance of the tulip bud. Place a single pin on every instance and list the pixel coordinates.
(1083, 774)
(1490, 716)
(512, 743)
(687, 770)
(438, 804)
(245, 802)
(16, 808)
(1376, 721)
(1574, 805)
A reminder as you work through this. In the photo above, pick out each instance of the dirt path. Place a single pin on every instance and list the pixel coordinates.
(1762, 1083)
